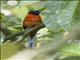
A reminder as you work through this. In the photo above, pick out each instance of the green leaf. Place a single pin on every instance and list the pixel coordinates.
(72, 49)
(2, 17)
(71, 58)
(61, 14)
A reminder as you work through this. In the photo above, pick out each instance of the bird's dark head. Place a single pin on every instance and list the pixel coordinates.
(36, 12)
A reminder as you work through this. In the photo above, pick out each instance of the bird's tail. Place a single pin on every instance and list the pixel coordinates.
(32, 41)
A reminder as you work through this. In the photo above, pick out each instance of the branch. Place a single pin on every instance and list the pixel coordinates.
(13, 37)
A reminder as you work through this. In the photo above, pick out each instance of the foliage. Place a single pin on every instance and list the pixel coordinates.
(58, 16)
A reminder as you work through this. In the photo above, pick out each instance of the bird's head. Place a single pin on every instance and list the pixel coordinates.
(36, 12)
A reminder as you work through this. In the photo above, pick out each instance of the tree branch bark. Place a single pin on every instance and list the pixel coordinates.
(12, 37)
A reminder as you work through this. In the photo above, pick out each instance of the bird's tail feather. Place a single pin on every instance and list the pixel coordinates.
(32, 42)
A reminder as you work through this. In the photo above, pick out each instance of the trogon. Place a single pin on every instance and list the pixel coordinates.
(32, 19)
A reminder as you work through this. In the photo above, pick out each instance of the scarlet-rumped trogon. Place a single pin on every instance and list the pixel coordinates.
(31, 20)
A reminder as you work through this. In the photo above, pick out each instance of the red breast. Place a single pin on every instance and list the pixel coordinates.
(32, 20)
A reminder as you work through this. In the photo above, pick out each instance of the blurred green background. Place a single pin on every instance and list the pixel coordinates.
(60, 37)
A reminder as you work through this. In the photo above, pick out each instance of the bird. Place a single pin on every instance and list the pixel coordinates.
(31, 20)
